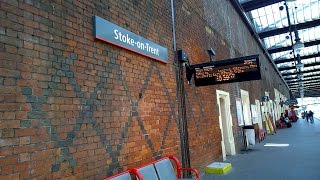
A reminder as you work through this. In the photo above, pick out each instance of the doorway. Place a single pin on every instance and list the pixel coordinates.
(246, 107)
(225, 122)
(259, 114)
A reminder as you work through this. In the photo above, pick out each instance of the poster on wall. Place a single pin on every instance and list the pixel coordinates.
(254, 114)
(239, 112)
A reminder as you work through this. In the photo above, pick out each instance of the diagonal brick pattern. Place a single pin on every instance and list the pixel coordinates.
(77, 108)
(79, 105)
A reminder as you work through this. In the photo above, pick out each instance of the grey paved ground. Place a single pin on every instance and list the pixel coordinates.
(299, 161)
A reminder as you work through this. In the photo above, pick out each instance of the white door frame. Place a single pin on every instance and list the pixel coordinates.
(259, 113)
(229, 140)
(245, 100)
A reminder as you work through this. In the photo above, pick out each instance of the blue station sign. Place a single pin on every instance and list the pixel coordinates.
(118, 36)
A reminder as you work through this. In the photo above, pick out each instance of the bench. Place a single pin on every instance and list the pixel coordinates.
(126, 175)
(161, 169)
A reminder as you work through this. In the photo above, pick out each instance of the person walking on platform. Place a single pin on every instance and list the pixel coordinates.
(310, 114)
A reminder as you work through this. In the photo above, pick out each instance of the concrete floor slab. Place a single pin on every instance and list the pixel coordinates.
(299, 160)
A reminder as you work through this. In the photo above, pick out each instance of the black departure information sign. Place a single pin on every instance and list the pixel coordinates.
(226, 71)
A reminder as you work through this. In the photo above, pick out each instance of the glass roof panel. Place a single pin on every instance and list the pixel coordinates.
(282, 55)
(288, 71)
(290, 76)
(304, 61)
(269, 17)
(284, 40)
(274, 17)
(309, 74)
(281, 40)
(308, 68)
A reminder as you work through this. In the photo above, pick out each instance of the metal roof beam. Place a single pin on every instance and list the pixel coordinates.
(283, 30)
(311, 95)
(297, 95)
(307, 84)
(304, 79)
(309, 90)
(256, 4)
(305, 65)
(308, 95)
(303, 72)
(308, 87)
(279, 49)
(296, 77)
(291, 59)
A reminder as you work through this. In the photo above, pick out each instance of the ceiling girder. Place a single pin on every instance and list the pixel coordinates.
(296, 77)
(311, 92)
(297, 95)
(304, 79)
(256, 4)
(305, 65)
(283, 30)
(308, 84)
(279, 49)
(305, 86)
(308, 91)
(316, 94)
(303, 72)
(308, 87)
(311, 95)
(291, 59)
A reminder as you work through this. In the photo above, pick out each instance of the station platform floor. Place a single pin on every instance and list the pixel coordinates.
(298, 161)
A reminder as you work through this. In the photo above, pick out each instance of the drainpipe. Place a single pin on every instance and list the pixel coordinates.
(182, 120)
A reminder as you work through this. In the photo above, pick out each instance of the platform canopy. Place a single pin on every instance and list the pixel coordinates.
(290, 32)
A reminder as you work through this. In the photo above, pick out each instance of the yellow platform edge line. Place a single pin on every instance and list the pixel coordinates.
(218, 170)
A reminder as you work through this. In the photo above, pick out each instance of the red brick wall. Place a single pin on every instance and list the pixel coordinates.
(75, 107)
(215, 24)
(72, 106)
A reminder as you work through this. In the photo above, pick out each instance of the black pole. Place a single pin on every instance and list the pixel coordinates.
(182, 120)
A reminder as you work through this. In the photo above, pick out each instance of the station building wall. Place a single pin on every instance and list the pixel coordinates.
(72, 106)
(206, 24)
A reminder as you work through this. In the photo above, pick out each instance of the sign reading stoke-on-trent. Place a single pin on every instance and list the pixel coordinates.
(113, 34)
(226, 71)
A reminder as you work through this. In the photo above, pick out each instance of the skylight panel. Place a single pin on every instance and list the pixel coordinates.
(254, 14)
(308, 61)
(317, 32)
(282, 55)
(315, 10)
